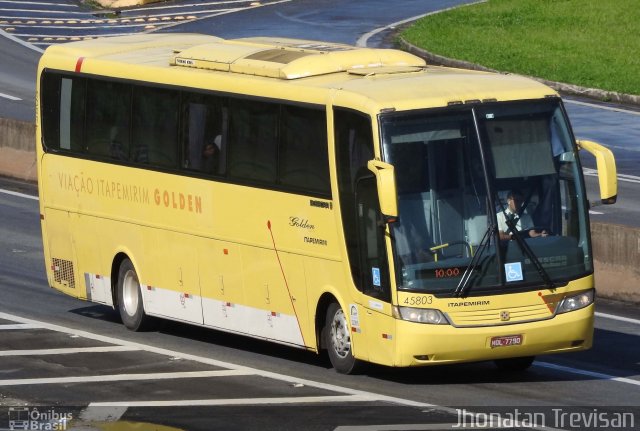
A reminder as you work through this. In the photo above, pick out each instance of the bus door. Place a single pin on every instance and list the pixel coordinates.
(372, 327)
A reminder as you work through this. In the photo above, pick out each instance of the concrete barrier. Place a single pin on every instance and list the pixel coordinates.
(616, 249)
(616, 252)
(17, 149)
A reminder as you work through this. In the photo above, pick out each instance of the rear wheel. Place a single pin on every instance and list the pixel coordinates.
(338, 341)
(514, 364)
(130, 299)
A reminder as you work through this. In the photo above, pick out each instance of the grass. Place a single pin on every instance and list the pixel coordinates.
(592, 43)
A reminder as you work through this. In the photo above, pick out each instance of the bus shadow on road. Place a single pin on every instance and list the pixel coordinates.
(215, 337)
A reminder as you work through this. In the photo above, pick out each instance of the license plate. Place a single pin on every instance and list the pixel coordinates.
(507, 340)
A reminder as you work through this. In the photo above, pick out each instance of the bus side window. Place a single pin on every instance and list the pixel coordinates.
(253, 140)
(155, 127)
(204, 123)
(107, 119)
(303, 155)
(63, 101)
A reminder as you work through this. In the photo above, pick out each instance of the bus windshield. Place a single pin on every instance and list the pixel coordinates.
(472, 180)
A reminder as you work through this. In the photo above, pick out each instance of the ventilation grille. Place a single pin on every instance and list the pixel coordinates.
(63, 272)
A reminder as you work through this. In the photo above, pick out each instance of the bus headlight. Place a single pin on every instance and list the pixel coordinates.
(420, 315)
(576, 302)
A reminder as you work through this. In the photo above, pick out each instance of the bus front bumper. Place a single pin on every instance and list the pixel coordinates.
(420, 344)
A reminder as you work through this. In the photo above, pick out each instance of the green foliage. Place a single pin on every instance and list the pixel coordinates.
(592, 43)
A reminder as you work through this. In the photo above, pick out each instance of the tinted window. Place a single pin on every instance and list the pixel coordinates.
(266, 143)
(204, 124)
(253, 140)
(108, 119)
(155, 126)
(304, 162)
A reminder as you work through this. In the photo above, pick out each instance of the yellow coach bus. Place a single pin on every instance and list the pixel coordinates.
(318, 195)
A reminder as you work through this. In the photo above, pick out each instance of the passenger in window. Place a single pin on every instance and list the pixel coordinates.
(211, 155)
(519, 215)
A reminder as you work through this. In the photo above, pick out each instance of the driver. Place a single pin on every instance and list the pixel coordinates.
(514, 211)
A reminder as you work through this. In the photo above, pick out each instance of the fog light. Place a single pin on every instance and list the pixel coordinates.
(576, 302)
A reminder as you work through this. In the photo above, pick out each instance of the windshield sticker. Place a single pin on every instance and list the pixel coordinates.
(513, 271)
(375, 274)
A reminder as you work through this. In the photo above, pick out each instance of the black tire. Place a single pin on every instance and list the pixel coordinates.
(337, 339)
(514, 365)
(130, 303)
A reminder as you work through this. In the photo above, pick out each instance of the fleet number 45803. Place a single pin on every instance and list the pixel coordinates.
(418, 300)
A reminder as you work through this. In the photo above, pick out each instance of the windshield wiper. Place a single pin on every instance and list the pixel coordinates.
(464, 284)
(517, 235)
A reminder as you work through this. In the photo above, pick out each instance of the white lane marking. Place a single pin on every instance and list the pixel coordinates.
(47, 11)
(592, 212)
(124, 377)
(68, 351)
(364, 39)
(620, 318)
(67, 37)
(621, 177)
(10, 327)
(10, 97)
(605, 108)
(20, 195)
(40, 3)
(184, 6)
(594, 374)
(482, 420)
(102, 414)
(228, 365)
(20, 41)
(241, 401)
(256, 5)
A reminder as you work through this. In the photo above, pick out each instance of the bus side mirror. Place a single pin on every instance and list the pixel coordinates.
(607, 175)
(386, 182)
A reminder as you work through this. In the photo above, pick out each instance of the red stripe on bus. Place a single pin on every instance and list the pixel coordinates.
(79, 64)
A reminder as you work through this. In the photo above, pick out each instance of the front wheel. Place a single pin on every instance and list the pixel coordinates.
(130, 299)
(338, 341)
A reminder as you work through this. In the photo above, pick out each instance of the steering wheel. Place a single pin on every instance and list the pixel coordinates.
(538, 229)
(434, 249)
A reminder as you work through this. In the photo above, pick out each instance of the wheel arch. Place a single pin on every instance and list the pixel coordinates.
(115, 269)
(326, 299)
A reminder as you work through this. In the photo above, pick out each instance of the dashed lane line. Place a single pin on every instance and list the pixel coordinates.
(10, 327)
(603, 107)
(20, 41)
(36, 3)
(124, 377)
(68, 351)
(621, 177)
(340, 399)
(10, 97)
(186, 6)
(20, 195)
(620, 318)
(587, 373)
